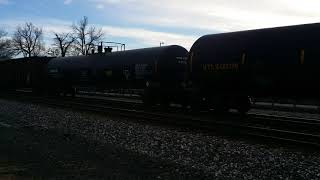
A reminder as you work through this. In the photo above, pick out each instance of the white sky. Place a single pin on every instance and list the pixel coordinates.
(221, 15)
(181, 22)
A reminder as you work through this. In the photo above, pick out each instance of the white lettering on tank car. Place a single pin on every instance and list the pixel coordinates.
(181, 60)
(142, 70)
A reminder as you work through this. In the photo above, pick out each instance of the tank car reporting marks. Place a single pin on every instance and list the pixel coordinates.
(182, 60)
(142, 70)
(219, 67)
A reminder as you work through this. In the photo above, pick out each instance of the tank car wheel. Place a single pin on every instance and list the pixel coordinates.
(52, 92)
(221, 110)
(243, 105)
(148, 99)
(73, 92)
(185, 104)
(164, 103)
(220, 105)
(147, 103)
(195, 105)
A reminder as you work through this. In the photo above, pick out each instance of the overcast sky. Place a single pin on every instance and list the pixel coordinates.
(146, 23)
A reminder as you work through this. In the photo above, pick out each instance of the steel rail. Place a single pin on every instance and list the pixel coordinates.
(236, 124)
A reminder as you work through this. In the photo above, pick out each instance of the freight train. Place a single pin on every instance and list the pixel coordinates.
(221, 71)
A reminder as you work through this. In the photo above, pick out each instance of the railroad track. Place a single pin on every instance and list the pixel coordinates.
(269, 127)
(257, 105)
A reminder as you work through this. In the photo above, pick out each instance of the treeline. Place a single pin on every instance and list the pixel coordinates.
(28, 40)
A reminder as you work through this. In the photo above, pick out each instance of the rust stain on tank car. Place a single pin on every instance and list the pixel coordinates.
(302, 56)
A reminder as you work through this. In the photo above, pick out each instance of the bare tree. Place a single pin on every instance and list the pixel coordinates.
(6, 50)
(28, 40)
(53, 52)
(63, 41)
(86, 36)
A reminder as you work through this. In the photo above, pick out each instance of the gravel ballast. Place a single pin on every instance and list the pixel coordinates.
(210, 156)
(29, 153)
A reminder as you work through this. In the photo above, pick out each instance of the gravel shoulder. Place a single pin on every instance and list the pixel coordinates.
(151, 150)
(29, 153)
